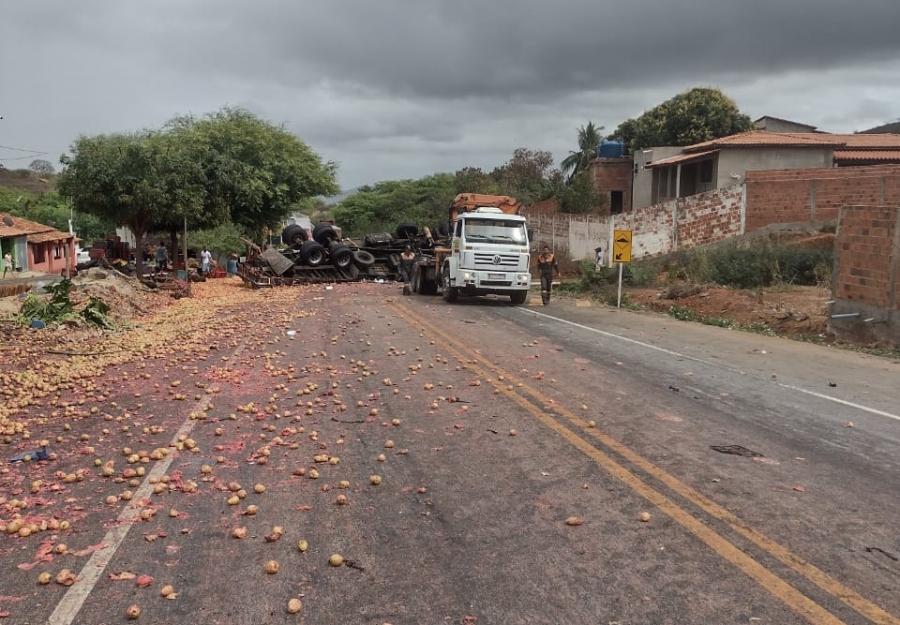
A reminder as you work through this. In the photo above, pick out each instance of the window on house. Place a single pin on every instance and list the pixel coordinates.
(616, 202)
(39, 256)
(57, 251)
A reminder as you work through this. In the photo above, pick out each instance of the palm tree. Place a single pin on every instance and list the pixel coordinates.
(588, 140)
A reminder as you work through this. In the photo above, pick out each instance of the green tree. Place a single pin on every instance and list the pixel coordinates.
(384, 205)
(691, 117)
(526, 175)
(50, 209)
(589, 139)
(580, 195)
(223, 238)
(475, 180)
(137, 180)
(253, 170)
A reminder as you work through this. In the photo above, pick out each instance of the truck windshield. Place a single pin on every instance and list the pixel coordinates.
(495, 231)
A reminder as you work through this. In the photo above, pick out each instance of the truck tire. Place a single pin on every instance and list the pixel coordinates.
(518, 298)
(341, 256)
(428, 285)
(324, 234)
(312, 254)
(451, 293)
(407, 231)
(293, 235)
(363, 259)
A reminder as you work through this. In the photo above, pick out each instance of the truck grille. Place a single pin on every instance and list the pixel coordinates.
(495, 283)
(506, 260)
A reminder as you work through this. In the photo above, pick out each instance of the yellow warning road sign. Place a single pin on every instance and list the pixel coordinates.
(622, 246)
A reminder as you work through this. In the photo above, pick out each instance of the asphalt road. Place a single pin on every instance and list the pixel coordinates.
(489, 427)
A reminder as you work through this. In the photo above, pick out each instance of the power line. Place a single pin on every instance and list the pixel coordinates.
(8, 147)
(23, 158)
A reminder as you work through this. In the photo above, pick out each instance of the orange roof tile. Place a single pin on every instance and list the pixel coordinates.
(761, 138)
(867, 155)
(12, 226)
(50, 235)
(870, 142)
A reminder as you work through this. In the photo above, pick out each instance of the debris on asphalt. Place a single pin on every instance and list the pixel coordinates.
(736, 450)
(33, 455)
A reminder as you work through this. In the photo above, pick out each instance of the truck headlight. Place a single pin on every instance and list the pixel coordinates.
(467, 276)
(524, 277)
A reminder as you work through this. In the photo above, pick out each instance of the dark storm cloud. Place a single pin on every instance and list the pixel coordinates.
(401, 88)
(526, 48)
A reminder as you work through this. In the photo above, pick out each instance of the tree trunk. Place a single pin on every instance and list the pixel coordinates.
(138, 252)
(173, 238)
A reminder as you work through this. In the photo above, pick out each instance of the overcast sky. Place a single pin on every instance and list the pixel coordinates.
(403, 88)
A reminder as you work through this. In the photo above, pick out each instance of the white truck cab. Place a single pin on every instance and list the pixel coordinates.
(489, 254)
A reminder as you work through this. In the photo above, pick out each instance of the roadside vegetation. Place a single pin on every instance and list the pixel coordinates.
(755, 285)
(50, 209)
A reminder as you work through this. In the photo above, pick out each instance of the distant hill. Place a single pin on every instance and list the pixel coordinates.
(25, 180)
(893, 127)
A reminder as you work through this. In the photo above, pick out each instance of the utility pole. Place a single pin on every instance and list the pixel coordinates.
(187, 276)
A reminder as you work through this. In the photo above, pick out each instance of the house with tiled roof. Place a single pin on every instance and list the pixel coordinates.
(661, 174)
(33, 246)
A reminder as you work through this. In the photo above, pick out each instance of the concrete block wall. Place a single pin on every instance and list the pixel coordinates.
(866, 284)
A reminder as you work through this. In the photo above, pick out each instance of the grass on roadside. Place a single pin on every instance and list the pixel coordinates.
(683, 313)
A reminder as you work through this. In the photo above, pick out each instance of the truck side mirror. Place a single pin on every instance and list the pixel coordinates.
(530, 234)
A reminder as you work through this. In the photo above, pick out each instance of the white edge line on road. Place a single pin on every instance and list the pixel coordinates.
(799, 389)
(70, 604)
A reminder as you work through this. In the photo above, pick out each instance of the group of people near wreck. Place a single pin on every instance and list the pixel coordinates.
(160, 257)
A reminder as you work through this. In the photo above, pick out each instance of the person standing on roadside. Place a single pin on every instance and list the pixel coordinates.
(162, 257)
(599, 258)
(407, 257)
(7, 263)
(205, 260)
(547, 266)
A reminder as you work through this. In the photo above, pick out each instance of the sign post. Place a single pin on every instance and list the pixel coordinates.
(622, 255)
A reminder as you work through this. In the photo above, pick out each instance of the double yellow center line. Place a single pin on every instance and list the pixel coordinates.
(788, 594)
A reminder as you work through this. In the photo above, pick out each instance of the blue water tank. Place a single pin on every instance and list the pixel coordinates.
(611, 149)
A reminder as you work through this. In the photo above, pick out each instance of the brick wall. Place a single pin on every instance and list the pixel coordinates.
(816, 195)
(709, 217)
(658, 229)
(613, 174)
(866, 285)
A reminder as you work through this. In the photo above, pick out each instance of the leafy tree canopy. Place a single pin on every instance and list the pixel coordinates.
(528, 176)
(52, 210)
(137, 180)
(252, 169)
(224, 238)
(691, 117)
(385, 204)
(580, 195)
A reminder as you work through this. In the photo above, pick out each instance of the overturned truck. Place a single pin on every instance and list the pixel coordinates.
(323, 255)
